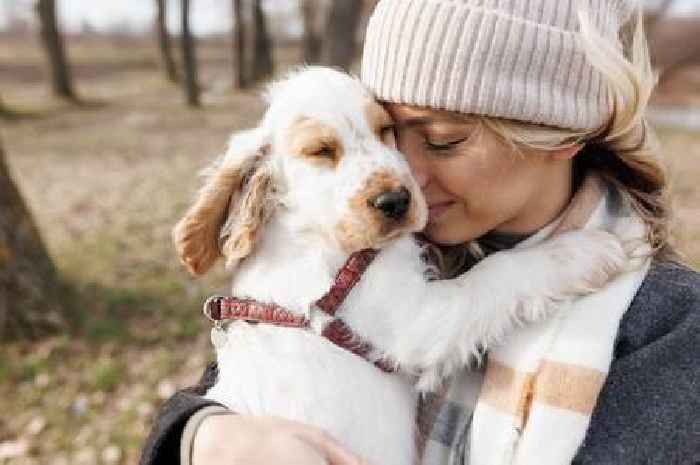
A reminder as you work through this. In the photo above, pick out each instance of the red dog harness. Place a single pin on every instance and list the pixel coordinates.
(219, 309)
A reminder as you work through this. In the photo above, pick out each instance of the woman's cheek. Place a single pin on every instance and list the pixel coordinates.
(470, 180)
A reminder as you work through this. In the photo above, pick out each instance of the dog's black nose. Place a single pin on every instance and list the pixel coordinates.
(393, 204)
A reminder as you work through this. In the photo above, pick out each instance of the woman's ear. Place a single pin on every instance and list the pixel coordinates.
(227, 185)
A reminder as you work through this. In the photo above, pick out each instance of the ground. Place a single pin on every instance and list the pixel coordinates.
(106, 182)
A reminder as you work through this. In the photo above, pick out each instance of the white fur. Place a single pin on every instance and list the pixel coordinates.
(429, 328)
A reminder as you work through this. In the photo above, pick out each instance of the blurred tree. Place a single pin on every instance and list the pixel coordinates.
(653, 16)
(238, 46)
(311, 13)
(671, 40)
(262, 57)
(166, 52)
(333, 28)
(28, 280)
(53, 44)
(189, 59)
(341, 33)
(690, 57)
(368, 7)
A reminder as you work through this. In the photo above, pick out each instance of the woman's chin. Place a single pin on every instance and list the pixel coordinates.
(445, 235)
(442, 236)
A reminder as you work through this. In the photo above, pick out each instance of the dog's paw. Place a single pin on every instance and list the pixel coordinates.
(430, 380)
(578, 262)
(436, 363)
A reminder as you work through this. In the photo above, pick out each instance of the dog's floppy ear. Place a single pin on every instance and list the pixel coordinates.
(236, 187)
(247, 214)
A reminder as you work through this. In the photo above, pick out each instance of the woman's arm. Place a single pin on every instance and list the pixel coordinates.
(266, 440)
(163, 444)
(230, 439)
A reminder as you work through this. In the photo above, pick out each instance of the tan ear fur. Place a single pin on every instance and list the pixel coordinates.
(196, 235)
(251, 213)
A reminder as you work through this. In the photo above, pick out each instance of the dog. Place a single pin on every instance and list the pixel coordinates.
(318, 180)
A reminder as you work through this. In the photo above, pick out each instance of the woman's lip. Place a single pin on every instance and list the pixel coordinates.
(436, 210)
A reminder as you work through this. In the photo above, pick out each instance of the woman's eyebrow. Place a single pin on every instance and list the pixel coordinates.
(413, 121)
(436, 124)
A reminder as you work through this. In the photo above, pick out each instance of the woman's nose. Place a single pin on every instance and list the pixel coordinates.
(418, 168)
(421, 177)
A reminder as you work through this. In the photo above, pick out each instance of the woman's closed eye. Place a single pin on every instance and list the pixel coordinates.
(443, 146)
(444, 143)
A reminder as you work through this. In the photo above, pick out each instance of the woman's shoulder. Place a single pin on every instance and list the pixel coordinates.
(669, 281)
(646, 412)
(668, 301)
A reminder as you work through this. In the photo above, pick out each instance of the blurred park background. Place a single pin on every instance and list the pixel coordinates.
(108, 109)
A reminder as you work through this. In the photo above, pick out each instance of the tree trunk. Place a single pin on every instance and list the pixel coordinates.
(340, 33)
(262, 60)
(53, 44)
(690, 58)
(189, 59)
(652, 18)
(311, 12)
(28, 281)
(166, 52)
(238, 46)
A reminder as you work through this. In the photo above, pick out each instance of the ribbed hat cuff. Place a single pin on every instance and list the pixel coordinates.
(451, 55)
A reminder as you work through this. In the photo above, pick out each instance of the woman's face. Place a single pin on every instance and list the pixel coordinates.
(475, 182)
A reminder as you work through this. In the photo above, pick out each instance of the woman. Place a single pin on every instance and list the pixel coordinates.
(505, 112)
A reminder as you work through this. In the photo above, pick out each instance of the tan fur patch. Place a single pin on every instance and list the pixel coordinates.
(377, 117)
(315, 141)
(196, 235)
(366, 226)
(251, 214)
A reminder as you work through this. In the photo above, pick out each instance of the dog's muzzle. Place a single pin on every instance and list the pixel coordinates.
(392, 204)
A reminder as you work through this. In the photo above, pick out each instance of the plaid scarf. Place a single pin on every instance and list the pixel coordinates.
(532, 402)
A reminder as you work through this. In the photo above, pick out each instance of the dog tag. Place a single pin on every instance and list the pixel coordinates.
(218, 336)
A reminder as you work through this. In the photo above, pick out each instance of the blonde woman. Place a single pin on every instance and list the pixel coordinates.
(520, 119)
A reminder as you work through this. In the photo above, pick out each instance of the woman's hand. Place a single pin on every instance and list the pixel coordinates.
(265, 440)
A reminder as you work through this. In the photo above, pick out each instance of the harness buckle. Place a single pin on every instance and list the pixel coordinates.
(212, 309)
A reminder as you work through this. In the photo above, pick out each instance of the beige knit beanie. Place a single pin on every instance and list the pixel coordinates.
(516, 59)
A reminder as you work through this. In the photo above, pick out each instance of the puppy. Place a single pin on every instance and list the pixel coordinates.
(318, 180)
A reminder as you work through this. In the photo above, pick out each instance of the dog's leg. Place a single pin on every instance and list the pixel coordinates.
(461, 317)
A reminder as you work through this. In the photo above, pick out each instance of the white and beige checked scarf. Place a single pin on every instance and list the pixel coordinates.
(540, 387)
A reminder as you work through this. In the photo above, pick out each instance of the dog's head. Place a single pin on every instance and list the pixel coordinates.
(323, 158)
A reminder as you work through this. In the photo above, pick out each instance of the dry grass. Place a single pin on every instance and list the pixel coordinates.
(106, 183)
(682, 154)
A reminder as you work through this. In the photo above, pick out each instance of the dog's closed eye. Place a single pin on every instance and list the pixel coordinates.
(324, 149)
(317, 142)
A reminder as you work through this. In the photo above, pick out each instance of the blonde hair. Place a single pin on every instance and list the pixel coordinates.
(624, 151)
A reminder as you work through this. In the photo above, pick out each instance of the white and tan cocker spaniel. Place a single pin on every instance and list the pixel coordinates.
(288, 203)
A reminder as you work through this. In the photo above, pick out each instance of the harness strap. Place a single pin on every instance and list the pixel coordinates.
(221, 308)
(346, 278)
